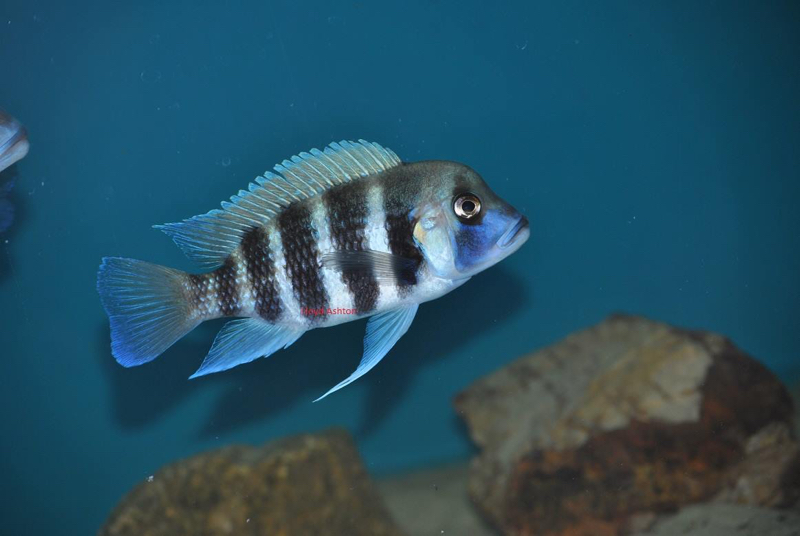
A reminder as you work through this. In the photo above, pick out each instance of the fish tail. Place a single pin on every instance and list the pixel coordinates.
(148, 307)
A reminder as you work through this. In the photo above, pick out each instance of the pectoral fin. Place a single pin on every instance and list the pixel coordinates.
(383, 331)
(384, 266)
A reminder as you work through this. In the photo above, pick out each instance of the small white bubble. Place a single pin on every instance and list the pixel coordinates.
(150, 76)
(225, 162)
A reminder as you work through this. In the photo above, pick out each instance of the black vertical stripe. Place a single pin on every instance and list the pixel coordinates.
(227, 291)
(198, 290)
(400, 231)
(261, 274)
(302, 258)
(348, 213)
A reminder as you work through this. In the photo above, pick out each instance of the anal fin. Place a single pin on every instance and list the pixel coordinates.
(244, 340)
(383, 331)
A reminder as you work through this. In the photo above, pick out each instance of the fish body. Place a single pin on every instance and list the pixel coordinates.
(331, 237)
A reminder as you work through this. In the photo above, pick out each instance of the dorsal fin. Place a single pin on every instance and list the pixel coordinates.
(209, 238)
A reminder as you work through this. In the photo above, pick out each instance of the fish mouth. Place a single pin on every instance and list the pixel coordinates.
(516, 234)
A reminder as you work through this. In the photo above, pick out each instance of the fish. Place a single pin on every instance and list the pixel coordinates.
(13, 141)
(327, 237)
(13, 147)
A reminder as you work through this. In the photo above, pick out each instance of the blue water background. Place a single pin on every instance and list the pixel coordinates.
(652, 145)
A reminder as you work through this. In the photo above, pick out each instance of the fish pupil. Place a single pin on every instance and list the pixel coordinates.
(467, 206)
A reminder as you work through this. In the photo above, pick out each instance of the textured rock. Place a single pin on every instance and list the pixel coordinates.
(726, 520)
(769, 474)
(627, 417)
(307, 484)
(796, 397)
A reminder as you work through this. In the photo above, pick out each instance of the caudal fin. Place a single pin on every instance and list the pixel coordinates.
(146, 306)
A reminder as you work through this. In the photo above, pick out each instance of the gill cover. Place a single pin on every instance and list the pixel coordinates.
(434, 236)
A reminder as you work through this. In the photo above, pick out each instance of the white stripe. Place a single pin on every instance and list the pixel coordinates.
(378, 240)
(291, 307)
(338, 292)
(429, 287)
(247, 299)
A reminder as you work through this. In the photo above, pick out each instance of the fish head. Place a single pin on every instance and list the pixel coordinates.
(464, 227)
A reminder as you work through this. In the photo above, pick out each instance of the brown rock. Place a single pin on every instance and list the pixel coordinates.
(769, 475)
(307, 484)
(628, 417)
(713, 519)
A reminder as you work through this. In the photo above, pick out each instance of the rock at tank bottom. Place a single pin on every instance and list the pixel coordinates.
(306, 484)
(726, 520)
(623, 420)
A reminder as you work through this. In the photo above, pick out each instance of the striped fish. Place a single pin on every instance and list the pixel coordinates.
(330, 237)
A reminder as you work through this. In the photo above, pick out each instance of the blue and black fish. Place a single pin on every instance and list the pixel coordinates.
(13, 147)
(330, 237)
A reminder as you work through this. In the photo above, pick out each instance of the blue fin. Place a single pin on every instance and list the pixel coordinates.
(383, 331)
(209, 238)
(146, 308)
(242, 341)
(385, 267)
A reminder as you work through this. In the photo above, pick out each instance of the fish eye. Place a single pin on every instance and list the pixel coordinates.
(467, 206)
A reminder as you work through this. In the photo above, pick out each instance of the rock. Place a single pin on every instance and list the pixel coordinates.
(769, 474)
(726, 520)
(796, 397)
(628, 417)
(307, 484)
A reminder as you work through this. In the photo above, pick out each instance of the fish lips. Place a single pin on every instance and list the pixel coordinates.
(515, 236)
